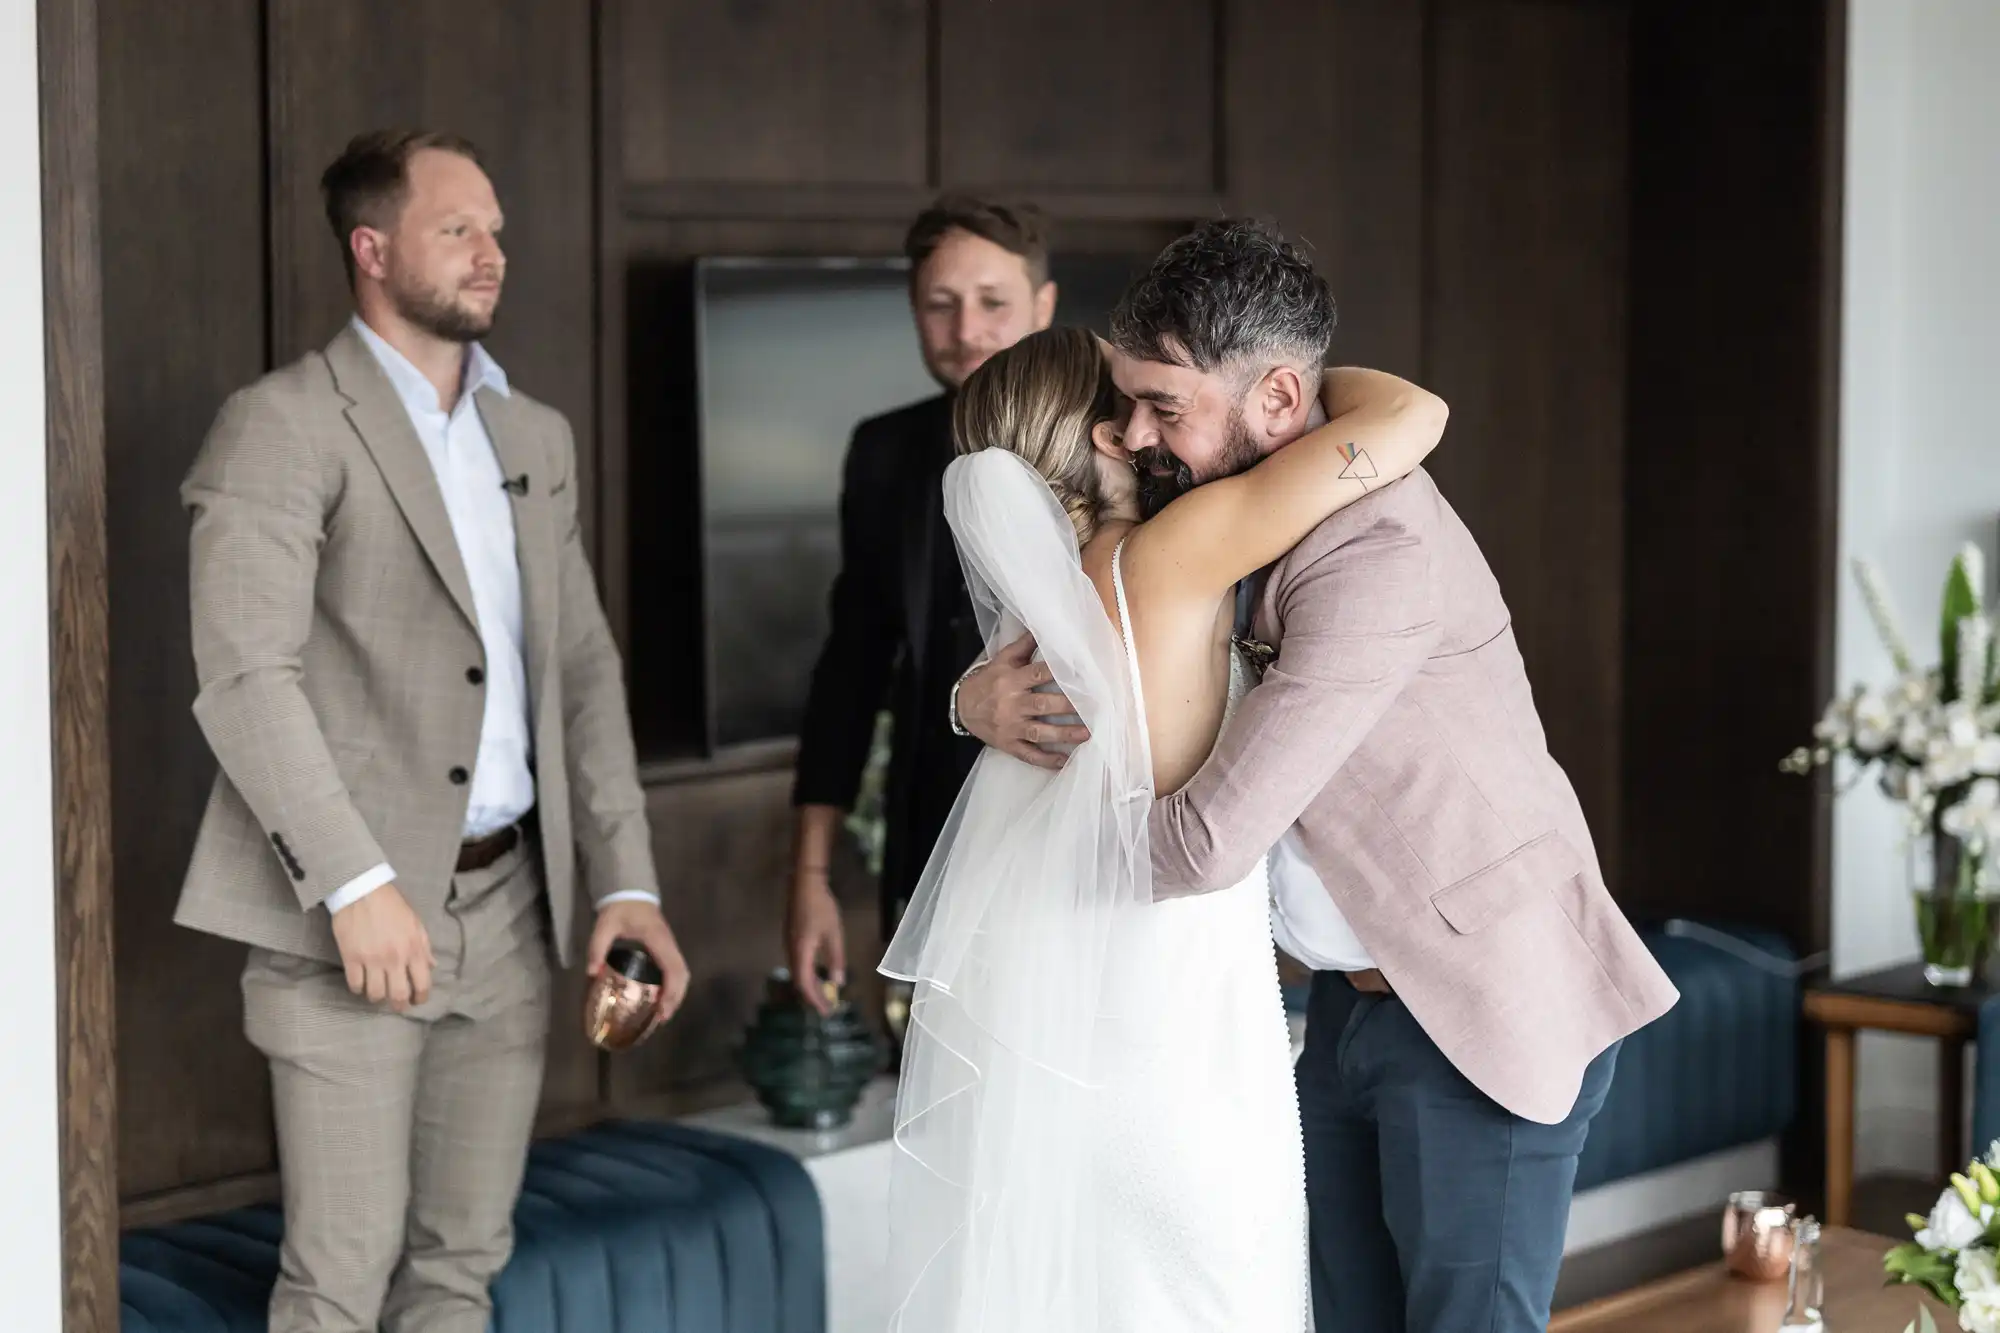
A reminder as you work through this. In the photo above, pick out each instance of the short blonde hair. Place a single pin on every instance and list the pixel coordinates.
(1040, 399)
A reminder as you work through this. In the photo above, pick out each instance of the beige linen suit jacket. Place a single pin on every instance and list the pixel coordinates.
(1398, 730)
(340, 665)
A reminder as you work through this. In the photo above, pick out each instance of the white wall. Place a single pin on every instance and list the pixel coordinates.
(30, 1224)
(1920, 437)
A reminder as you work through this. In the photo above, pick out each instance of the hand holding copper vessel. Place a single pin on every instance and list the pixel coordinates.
(622, 1006)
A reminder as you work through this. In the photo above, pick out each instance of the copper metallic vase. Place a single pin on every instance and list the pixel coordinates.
(1757, 1235)
(620, 1008)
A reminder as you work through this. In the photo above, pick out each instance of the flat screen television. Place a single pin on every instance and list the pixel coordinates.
(755, 372)
(791, 355)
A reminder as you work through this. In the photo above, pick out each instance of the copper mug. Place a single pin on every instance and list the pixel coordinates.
(621, 1008)
(1757, 1235)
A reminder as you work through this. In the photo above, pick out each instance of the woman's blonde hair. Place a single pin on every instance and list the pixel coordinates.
(1040, 399)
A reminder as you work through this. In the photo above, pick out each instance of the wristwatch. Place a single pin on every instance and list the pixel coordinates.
(957, 727)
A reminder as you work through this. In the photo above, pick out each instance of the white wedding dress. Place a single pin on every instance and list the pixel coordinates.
(1097, 1127)
(1202, 1162)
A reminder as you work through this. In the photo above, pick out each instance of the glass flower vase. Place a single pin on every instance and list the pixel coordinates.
(1954, 908)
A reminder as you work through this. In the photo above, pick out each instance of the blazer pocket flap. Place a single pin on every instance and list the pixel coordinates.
(1484, 896)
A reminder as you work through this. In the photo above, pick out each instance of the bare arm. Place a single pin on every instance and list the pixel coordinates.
(1380, 428)
(813, 926)
(1357, 627)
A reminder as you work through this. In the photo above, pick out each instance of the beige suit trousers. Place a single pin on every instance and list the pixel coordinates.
(402, 1138)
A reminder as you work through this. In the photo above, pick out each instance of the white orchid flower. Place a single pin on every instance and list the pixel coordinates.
(1952, 1225)
(1873, 723)
(1978, 1283)
(1976, 816)
(1953, 748)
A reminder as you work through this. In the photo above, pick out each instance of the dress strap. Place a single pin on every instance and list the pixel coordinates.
(1131, 648)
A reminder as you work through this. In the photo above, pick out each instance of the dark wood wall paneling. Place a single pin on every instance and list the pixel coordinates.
(1732, 474)
(184, 304)
(1524, 334)
(833, 93)
(73, 379)
(1731, 457)
(1114, 96)
(1465, 171)
(1324, 119)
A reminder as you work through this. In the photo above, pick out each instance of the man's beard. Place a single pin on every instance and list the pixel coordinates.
(439, 315)
(1164, 478)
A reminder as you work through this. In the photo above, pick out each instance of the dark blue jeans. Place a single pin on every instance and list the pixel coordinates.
(1433, 1209)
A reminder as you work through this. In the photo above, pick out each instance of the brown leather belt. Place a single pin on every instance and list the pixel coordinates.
(1370, 982)
(479, 853)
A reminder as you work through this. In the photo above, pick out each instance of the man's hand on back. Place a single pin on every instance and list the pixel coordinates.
(1001, 705)
(386, 950)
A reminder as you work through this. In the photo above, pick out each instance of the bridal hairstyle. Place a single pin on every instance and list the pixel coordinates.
(1013, 938)
(1040, 399)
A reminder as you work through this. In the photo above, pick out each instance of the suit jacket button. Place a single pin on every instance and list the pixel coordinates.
(459, 776)
(475, 675)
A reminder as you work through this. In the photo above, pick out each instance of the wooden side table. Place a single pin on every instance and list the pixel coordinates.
(1710, 1300)
(1896, 999)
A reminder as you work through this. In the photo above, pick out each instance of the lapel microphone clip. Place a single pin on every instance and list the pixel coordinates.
(515, 485)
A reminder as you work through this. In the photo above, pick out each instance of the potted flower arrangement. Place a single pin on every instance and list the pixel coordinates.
(1953, 1255)
(1932, 737)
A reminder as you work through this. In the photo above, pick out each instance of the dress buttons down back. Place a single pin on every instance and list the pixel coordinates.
(459, 775)
(475, 675)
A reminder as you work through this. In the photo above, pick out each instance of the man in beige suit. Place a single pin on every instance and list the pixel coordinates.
(1429, 860)
(409, 685)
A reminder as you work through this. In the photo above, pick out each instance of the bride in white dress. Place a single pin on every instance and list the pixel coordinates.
(1097, 1129)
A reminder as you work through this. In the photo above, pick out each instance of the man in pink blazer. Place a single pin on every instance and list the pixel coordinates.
(1472, 976)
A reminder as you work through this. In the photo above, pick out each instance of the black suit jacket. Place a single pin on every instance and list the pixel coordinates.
(901, 631)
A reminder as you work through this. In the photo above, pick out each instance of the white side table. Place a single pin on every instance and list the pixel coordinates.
(850, 1168)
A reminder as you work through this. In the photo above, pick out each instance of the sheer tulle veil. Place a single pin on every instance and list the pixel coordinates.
(1025, 907)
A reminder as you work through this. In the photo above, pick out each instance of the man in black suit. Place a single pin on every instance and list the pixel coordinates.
(902, 627)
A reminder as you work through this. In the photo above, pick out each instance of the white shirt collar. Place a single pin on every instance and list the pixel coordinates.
(416, 391)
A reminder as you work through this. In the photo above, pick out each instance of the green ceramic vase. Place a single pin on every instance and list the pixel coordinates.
(806, 1069)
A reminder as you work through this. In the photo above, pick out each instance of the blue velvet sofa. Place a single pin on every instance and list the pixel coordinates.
(1718, 1070)
(1986, 1077)
(651, 1228)
(625, 1228)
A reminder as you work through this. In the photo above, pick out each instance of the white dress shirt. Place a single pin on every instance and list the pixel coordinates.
(1305, 920)
(482, 522)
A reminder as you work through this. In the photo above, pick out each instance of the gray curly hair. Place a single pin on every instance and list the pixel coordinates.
(1232, 295)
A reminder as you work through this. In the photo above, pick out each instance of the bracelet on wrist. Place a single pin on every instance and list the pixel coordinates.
(958, 726)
